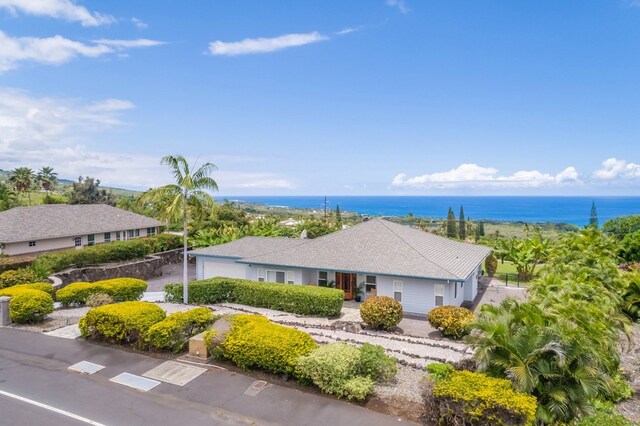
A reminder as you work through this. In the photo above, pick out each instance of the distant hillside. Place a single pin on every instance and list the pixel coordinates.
(64, 184)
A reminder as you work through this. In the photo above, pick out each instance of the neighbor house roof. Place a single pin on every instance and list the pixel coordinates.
(376, 246)
(64, 220)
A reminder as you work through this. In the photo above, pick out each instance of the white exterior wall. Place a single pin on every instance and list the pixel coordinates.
(49, 244)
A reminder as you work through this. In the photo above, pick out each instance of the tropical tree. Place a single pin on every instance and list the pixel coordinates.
(620, 227)
(338, 217)
(21, 178)
(47, 179)
(593, 216)
(525, 254)
(88, 191)
(452, 232)
(462, 225)
(8, 198)
(184, 200)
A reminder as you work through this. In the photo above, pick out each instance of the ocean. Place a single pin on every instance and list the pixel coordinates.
(574, 210)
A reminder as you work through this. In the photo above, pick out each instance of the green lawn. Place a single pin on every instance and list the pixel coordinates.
(509, 268)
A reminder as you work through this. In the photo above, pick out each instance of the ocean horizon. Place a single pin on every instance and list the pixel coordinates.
(530, 209)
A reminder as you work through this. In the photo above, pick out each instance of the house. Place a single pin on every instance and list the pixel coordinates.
(47, 227)
(419, 269)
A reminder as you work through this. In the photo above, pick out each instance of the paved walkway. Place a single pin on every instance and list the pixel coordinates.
(171, 273)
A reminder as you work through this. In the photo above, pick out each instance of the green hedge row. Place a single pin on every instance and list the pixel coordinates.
(297, 299)
(173, 332)
(120, 290)
(117, 251)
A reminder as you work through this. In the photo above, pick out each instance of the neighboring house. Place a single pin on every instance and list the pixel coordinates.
(419, 269)
(59, 226)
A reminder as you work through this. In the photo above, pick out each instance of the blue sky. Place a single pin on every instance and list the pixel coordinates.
(328, 97)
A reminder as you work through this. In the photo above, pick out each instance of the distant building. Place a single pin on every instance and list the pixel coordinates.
(418, 269)
(59, 226)
(290, 222)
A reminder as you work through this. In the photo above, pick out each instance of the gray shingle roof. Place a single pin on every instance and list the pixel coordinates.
(376, 246)
(249, 247)
(64, 220)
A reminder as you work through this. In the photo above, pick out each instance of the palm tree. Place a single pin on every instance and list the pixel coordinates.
(47, 179)
(183, 200)
(22, 180)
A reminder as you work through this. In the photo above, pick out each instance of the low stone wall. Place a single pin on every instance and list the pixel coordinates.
(144, 269)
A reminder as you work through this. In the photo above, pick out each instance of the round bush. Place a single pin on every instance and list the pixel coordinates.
(491, 265)
(173, 332)
(46, 287)
(381, 312)
(28, 305)
(452, 321)
(17, 276)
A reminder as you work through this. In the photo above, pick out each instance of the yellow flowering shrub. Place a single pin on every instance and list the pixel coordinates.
(174, 331)
(119, 289)
(46, 287)
(452, 321)
(473, 398)
(125, 322)
(27, 305)
(254, 342)
(381, 312)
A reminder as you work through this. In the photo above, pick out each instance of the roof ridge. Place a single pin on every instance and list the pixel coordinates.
(302, 242)
(414, 249)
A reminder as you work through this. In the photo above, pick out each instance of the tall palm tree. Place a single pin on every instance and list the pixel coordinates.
(47, 179)
(183, 200)
(22, 180)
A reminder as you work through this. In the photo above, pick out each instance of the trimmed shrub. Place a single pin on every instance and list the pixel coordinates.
(173, 332)
(125, 322)
(46, 287)
(440, 371)
(17, 276)
(338, 369)
(117, 251)
(119, 289)
(472, 398)
(381, 312)
(376, 364)
(255, 342)
(491, 265)
(297, 299)
(452, 321)
(28, 305)
(96, 300)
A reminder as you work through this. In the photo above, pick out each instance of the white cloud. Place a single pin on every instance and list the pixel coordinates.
(59, 9)
(139, 23)
(128, 44)
(613, 168)
(475, 176)
(37, 132)
(400, 4)
(347, 30)
(57, 49)
(250, 46)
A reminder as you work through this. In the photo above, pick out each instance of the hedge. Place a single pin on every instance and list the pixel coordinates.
(473, 398)
(27, 305)
(120, 290)
(254, 342)
(173, 332)
(46, 287)
(452, 321)
(381, 312)
(117, 251)
(18, 276)
(297, 299)
(125, 322)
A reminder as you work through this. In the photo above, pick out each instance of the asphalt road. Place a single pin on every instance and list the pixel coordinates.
(36, 388)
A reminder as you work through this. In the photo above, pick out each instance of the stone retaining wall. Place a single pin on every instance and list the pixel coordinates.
(149, 267)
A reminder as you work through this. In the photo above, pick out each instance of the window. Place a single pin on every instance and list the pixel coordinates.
(397, 290)
(151, 231)
(439, 294)
(136, 233)
(77, 241)
(323, 278)
(32, 243)
(276, 276)
(261, 274)
(117, 235)
(107, 237)
(91, 240)
(290, 277)
(130, 233)
(370, 283)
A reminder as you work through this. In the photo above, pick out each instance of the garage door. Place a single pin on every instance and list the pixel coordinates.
(219, 269)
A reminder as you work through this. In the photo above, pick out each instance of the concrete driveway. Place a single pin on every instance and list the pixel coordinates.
(171, 274)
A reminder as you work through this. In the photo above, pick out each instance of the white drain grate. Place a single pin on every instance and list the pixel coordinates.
(86, 367)
(136, 382)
